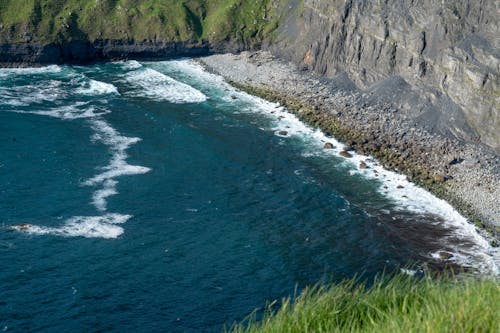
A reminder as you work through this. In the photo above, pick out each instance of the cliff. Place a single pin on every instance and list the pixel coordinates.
(442, 58)
(55, 31)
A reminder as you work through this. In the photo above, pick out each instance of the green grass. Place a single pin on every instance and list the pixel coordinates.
(393, 304)
(166, 20)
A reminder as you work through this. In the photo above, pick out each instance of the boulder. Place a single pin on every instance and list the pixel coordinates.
(283, 133)
(345, 154)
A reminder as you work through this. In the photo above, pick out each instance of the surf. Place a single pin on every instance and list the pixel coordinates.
(154, 85)
(19, 98)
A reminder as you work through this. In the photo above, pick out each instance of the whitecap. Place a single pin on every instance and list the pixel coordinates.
(129, 65)
(152, 84)
(30, 70)
(93, 87)
(104, 226)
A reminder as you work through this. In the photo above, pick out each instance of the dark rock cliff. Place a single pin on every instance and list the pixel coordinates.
(20, 54)
(438, 60)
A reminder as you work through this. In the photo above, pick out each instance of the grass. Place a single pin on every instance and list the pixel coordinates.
(191, 21)
(398, 303)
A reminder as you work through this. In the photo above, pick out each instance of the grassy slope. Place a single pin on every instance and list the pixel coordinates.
(398, 304)
(165, 20)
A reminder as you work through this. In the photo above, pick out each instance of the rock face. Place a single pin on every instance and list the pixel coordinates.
(439, 60)
(85, 51)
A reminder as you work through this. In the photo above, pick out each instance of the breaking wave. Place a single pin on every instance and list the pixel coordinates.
(160, 87)
(93, 87)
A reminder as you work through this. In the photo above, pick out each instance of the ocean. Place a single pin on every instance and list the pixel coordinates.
(155, 197)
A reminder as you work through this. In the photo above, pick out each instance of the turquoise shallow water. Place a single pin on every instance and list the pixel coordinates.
(154, 197)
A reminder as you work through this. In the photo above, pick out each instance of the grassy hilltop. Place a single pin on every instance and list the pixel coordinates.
(47, 21)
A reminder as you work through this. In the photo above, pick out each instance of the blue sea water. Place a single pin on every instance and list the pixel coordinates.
(154, 197)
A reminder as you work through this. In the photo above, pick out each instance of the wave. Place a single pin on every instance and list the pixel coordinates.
(25, 95)
(5, 72)
(55, 90)
(129, 65)
(93, 87)
(104, 226)
(160, 87)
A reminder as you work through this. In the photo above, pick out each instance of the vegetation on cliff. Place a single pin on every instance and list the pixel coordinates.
(48, 21)
(396, 304)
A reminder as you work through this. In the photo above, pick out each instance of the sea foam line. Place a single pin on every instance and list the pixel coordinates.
(406, 195)
(104, 226)
(118, 166)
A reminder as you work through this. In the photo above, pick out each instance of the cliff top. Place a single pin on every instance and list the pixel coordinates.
(49, 21)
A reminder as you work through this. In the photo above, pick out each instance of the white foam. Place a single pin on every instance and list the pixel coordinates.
(406, 195)
(93, 87)
(78, 110)
(118, 166)
(42, 91)
(83, 226)
(25, 95)
(30, 70)
(196, 71)
(99, 197)
(160, 87)
(129, 65)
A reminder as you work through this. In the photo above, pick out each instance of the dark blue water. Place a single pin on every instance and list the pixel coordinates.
(131, 201)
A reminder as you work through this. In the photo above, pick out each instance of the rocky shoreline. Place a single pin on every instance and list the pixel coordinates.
(466, 174)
